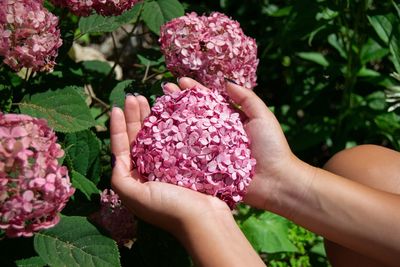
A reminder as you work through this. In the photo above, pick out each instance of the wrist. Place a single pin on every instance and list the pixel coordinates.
(216, 240)
(278, 191)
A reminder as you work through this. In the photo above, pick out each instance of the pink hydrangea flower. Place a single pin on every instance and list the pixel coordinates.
(113, 7)
(194, 139)
(117, 220)
(209, 49)
(29, 35)
(102, 7)
(78, 7)
(34, 188)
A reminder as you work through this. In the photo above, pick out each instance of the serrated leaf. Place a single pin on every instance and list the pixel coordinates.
(65, 110)
(268, 233)
(99, 24)
(74, 242)
(31, 262)
(117, 95)
(314, 57)
(83, 184)
(82, 148)
(156, 13)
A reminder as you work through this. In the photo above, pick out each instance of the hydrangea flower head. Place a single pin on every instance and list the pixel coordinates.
(34, 188)
(29, 35)
(117, 220)
(194, 139)
(113, 7)
(102, 7)
(209, 49)
(78, 7)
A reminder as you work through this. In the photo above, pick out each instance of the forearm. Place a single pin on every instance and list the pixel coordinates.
(348, 213)
(218, 242)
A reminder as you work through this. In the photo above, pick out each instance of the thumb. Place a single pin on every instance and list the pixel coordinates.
(251, 104)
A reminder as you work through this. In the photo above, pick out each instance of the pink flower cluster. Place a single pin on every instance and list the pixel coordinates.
(29, 36)
(117, 220)
(102, 7)
(194, 139)
(209, 49)
(34, 188)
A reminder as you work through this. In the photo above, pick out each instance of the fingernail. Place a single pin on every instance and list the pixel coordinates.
(177, 79)
(128, 94)
(112, 161)
(114, 105)
(136, 94)
(165, 88)
(230, 80)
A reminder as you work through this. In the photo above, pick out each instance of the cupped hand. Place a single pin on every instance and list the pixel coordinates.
(268, 144)
(168, 206)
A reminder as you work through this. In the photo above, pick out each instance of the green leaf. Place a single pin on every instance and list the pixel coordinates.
(31, 262)
(268, 233)
(372, 51)
(314, 57)
(76, 242)
(156, 13)
(117, 96)
(377, 101)
(365, 72)
(99, 24)
(336, 43)
(83, 184)
(83, 148)
(97, 66)
(382, 25)
(319, 249)
(65, 110)
(148, 62)
(388, 29)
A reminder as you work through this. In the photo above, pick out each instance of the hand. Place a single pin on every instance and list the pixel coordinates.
(275, 161)
(204, 224)
(167, 206)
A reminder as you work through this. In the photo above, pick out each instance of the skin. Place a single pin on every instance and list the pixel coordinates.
(202, 223)
(354, 215)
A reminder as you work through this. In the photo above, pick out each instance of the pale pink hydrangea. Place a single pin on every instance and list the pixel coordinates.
(34, 188)
(113, 217)
(102, 7)
(194, 139)
(209, 49)
(29, 35)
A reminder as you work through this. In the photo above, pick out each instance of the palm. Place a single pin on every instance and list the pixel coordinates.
(162, 204)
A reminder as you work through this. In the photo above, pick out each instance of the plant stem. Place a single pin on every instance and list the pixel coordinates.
(118, 58)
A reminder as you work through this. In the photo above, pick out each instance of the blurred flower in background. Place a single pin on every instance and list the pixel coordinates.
(34, 187)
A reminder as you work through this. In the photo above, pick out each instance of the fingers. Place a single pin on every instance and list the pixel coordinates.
(119, 143)
(132, 116)
(251, 104)
(118, 133)
(169, 88)
(144, 107)
(185, 83)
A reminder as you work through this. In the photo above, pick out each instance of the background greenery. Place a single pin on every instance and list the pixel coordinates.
(325, 70)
